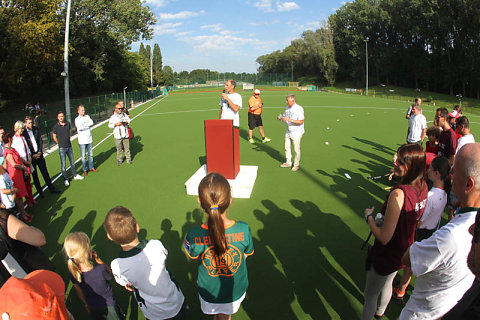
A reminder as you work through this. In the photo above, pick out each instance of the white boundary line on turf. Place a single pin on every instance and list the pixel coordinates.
(51, 150)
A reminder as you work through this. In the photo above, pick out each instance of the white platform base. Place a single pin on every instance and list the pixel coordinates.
(242, 185)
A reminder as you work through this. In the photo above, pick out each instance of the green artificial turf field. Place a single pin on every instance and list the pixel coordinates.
(308, 225)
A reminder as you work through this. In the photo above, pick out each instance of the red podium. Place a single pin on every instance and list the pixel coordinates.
(222, 142)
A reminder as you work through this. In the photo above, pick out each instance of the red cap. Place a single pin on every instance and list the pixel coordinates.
(40, 295)
(454, 114)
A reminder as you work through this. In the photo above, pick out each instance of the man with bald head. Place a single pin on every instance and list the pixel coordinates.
(440, 262)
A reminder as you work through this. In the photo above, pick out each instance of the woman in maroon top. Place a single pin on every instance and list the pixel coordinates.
(402, 210)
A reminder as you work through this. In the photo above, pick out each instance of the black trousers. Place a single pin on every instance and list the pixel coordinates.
(42, 166)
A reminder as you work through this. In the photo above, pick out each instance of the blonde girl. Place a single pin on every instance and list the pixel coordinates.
(91, 281)
(221, 246)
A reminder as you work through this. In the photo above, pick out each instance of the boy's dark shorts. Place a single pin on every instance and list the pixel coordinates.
(254, 120)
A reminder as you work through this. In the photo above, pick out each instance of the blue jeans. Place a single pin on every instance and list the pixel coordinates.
(83, 149)
(69, 152)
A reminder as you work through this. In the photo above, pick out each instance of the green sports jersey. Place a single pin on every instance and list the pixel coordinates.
(221, 279)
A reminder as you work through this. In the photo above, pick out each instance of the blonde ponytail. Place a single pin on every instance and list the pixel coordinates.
(79, 253)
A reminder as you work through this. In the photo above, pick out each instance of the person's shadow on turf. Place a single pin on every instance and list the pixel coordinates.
(308, 272)
(337, 239)
(264, 147)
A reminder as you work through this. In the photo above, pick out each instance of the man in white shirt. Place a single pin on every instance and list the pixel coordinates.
(83, 123)
(119, 123)
(417, 126)
(440, 262)
(230, 103)
(463, 127)
(293, 117)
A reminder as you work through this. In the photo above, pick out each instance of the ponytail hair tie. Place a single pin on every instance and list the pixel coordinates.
(214, 207)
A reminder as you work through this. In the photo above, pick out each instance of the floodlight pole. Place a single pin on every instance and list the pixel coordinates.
(124, 98)
(366, 65)
(292, 69)
(65, 73)
(151, 65)
(459, 96)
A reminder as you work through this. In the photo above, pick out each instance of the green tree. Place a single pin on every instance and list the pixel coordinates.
(168, 75)
(31, 46)
(157, 65)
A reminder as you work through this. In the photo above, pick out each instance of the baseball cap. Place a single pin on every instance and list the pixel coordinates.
(454, 114)
(40, 295)
(256, 91)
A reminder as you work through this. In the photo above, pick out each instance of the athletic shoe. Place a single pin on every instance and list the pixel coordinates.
(129, 161)
(27, 218)
(85, 173)
(265, 140)
(285, 165)
(251, 140)
(77, 177)
(295, 168)
(397, 294)
(66, 183)
(119, 163)
(376, 316)
(94, 170)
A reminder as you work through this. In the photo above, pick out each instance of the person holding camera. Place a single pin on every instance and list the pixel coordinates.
(119, 123)
(402, 211)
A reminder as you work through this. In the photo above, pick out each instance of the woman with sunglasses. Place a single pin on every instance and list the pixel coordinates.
(402, 211)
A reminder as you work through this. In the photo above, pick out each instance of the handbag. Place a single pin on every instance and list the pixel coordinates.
(130, 133)
(29, 257)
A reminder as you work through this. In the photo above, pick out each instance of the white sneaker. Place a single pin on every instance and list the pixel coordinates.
(78, 177)
(66, 183)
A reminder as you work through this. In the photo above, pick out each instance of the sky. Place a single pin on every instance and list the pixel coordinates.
(228, 36)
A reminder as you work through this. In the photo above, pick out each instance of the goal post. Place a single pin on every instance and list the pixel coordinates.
(248, 86)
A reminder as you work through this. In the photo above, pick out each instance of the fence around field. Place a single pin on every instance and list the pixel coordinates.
(99, 108)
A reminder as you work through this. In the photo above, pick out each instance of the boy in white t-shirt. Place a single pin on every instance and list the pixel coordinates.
(141, 268)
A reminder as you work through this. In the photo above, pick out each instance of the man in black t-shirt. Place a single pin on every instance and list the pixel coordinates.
(61, 135)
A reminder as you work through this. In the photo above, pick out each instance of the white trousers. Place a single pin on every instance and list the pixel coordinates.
(296, 139)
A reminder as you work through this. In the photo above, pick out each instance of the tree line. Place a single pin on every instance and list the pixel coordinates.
(101, 32)
(431, 45)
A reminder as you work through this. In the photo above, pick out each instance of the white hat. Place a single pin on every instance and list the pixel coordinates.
(256, 91)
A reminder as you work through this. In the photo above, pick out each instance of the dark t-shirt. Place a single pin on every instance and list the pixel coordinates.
(63, 134)
(387, 258)
(447, 145)
(96, 287)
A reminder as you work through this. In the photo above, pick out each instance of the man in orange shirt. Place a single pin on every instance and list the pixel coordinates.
(255, 107)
